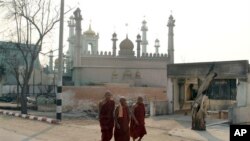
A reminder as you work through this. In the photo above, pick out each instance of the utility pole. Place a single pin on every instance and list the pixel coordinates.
(60, 65)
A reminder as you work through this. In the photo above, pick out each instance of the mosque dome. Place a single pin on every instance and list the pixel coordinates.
(89, 32)
(126, 44)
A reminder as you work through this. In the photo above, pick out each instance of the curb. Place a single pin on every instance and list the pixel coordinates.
(31, 117)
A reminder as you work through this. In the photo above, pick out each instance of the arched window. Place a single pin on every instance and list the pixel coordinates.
(90, 47)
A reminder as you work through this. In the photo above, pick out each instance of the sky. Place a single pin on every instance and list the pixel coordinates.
(206, 30)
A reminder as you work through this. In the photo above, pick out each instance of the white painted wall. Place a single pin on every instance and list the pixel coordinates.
(94, 69)
(248, 90)
(241, 97)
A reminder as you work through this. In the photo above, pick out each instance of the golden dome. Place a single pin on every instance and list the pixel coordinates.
(89, 32)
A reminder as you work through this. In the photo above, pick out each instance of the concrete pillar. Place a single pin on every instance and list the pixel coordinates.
(152, 108)
(60, 67)
(170, 96)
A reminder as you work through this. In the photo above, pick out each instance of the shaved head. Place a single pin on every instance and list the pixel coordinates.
(123, 101)
(139, 99)
(108, 95)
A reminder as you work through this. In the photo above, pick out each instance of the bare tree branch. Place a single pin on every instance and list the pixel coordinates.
(34, 20)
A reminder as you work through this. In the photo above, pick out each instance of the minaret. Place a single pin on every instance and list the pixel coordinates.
(157, 45)
(114, 39)
(144, 42)
(71, 25)
(171, 24)
(77, 47)
(138, 45)
(78, 31)
(51, 61)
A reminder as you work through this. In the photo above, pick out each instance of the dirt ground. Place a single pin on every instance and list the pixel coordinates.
(77, 129)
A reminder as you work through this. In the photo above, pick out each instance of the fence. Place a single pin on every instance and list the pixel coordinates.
(34, 90)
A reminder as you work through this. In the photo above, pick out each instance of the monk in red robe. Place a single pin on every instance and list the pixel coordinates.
(137, 125)
(106, 116)
(122, 118)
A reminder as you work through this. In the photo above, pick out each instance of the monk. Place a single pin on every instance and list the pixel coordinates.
(122, 118)
(106, 116)
(137, 124)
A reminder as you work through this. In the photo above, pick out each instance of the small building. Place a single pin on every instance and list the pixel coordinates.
(10, 58)
(225, 91)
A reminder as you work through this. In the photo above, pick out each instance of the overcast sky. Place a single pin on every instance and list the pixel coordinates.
(206, 30)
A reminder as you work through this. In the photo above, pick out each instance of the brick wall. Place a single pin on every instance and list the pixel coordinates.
(87, 97)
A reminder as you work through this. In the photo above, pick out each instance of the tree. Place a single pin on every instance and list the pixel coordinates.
(33, 20)
(199, 107)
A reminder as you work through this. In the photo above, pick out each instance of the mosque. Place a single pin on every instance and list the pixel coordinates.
(129, 64)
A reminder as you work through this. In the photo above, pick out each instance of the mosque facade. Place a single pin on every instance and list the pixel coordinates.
(128, 63)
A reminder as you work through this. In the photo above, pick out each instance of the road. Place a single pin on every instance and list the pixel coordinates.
(17, 129)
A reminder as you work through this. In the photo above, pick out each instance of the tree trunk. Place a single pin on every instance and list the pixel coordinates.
(199, 107)
(17, 96)
(199, 115)
(24, 100)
